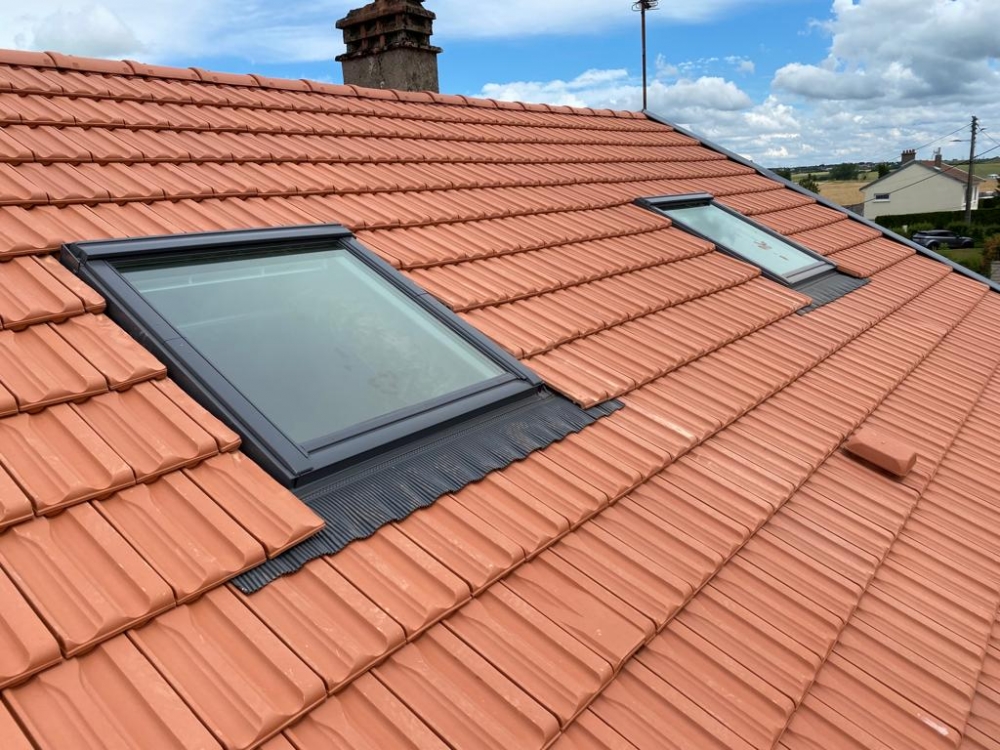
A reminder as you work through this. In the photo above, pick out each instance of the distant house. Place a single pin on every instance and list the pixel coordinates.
(919, 186)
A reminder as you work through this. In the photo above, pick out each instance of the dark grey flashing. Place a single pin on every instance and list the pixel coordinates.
(364, 498)
(828, 288)
(920, 249)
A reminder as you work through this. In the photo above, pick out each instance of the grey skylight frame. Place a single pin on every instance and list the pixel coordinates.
(820, 267)
(292, 463)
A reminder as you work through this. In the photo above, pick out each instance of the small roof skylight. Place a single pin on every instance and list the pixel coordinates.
(314, 349)
(739, 236)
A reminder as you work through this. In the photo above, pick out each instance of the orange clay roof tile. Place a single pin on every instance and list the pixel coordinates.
(113, 697)
(401, 578)
(148, 430)
(40, 368)
(553, 667)
(188, 539)
(462, 697)
(236, 675)
(58, 460)
(676, 575)
(272, 515)
(30, 647)
(365, 716)
(83, 578)
(114, 353)
(328, 622)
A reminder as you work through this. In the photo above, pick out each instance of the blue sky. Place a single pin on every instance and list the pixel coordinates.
(782, 81)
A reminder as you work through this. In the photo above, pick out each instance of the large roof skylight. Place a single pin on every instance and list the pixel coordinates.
(313, 348)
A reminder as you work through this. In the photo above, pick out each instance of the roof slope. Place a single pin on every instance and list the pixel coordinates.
(704, 568)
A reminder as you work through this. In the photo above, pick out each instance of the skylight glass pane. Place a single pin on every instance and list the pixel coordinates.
(742, 237)
(316, 340)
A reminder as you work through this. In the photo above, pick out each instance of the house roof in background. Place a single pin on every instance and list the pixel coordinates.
(947, 170)
(704, 568)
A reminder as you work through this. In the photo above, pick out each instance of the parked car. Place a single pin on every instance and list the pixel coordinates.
(994, 177)
(935, 238)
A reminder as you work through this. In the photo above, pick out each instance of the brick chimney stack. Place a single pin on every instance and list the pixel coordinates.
(938, 163)
(389, 46)
(908, 156)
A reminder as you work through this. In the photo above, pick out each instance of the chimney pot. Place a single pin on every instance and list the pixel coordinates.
(908, 156)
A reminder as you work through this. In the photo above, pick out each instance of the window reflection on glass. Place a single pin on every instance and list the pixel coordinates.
(316, 340)
(745, 239)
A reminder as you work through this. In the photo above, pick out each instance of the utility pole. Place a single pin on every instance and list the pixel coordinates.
(642, 6)
(968, 184)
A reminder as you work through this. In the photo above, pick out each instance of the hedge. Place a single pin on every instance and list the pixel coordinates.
(941, 219)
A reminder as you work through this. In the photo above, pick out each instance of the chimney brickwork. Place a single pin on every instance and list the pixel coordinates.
(389, 46)
(908, 156)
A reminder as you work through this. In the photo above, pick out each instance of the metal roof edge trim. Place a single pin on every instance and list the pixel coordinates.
(920, 249)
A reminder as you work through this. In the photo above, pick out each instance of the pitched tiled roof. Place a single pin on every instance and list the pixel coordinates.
(704, 568)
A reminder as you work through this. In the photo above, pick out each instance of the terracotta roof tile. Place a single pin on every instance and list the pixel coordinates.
(542, 659)
(30, 646)
(272, 515)
(188, 539)
(30, 294)
(464, 699)
(591, 614)
(148, 430)
(331, 625)
(113, 697)
(58, 460)
(401, 578)
(645, 584)
(466, 544)
(365, 716)
(82, 577)
(238, 678)
(877, 709)
(114, 353)
(715, 509)
(745, 703)
(649, 712)
(40, 368)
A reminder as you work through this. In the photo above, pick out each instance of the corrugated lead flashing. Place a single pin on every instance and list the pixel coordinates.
(358, 501)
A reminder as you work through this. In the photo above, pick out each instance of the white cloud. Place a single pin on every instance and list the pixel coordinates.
(518, 18)
(91, 30)
(743, 65)
(258, 31)
(616, 90)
